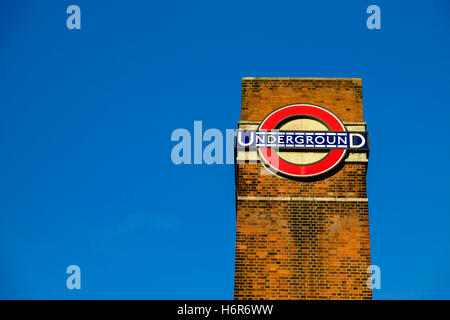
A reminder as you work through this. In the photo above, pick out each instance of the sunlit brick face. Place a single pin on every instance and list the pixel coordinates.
(302, 239)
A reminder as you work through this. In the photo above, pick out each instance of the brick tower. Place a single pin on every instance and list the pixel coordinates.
(302, 239)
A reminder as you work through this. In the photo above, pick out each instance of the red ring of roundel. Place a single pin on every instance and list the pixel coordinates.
(271, 158)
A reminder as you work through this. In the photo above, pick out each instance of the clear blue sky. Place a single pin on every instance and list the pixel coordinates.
(86, 117)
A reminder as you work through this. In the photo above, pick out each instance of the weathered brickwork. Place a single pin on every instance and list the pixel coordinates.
(260, 96)
(302, 250)
(302, 239)
(254, 180)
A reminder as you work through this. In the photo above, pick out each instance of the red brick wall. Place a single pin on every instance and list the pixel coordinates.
(310, 240)
(261, 96)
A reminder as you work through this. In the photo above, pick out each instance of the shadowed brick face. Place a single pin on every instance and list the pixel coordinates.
(302, 239)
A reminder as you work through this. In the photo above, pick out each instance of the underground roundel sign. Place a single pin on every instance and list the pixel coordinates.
(301, 141)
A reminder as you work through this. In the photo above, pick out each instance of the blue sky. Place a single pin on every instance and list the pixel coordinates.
(86, 118)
